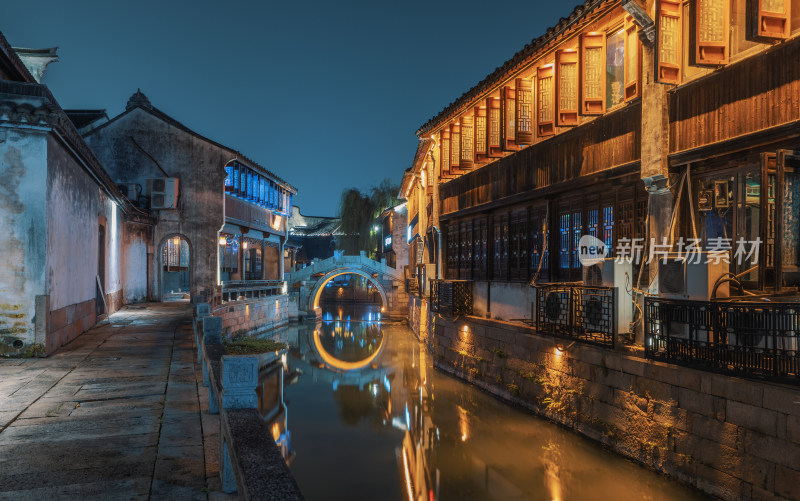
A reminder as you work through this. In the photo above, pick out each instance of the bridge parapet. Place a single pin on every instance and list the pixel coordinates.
(340, 261)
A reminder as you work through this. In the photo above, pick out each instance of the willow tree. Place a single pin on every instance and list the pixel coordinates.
(359, 213)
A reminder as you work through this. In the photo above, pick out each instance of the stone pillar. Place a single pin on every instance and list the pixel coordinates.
(654, 151)
(281, 267)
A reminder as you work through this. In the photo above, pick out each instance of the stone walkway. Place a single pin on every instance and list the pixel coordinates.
(119, 413)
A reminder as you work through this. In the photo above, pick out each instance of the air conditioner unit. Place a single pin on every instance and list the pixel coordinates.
(163, 193)
(593, 275)
(131, 191)
(681, 279)
(612, 273)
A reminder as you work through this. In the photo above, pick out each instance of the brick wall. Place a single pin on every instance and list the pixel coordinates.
(730, 437)
(253, 316)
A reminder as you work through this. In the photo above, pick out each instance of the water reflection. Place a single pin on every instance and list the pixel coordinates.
(371, 419)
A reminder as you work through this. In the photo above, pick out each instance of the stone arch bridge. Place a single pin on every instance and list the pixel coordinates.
(309, 282)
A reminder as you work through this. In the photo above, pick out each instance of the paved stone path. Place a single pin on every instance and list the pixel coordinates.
(119, 413)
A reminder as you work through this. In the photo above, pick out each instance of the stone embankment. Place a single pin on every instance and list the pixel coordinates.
(730, 437)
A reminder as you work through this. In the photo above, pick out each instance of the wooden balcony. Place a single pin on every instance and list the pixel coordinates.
(240, 211)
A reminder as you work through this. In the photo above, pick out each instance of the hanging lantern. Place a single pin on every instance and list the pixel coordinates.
(223, 241)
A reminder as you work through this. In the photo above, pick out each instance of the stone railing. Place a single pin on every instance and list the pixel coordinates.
(250, 289)
(250, 461)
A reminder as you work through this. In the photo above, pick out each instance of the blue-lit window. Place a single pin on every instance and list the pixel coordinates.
(564, 234)
(243, 186)
(608, 228)
(262, 198)
(592, 227)
(236, 181)
(228, 177)
(249, 185)
(576, 238)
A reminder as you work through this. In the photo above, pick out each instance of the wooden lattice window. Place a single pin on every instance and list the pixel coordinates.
(444, 152)
(711, 32)
(593, 78)
(455, 145)
(480, 131)
(567, 73)
(669, 42)
(494, 122)
(509, 119)
(545, 124)
(771, 19)
(467, 145)
(524, 102)
(632, 59)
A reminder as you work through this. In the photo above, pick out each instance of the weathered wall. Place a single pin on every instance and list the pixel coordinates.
(199, 165)
(76, 206)
(135, 248)
(23, 169)
(506, 301)
(253, 316)
(730, 437)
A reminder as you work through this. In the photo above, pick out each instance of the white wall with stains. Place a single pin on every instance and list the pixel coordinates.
(23, 175)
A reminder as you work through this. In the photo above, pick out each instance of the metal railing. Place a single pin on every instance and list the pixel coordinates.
(750, 338)
(577, 312)
(250, 289)
(451, 298)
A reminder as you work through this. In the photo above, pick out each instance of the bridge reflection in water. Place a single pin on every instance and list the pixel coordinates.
(371, 419)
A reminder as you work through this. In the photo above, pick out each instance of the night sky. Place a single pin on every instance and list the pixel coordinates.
(327, 95)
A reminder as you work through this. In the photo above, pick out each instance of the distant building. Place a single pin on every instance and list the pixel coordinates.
(314, 236)
(394, 237)
(230, 212)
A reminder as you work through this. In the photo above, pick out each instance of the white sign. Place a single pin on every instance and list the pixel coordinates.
(591, 250)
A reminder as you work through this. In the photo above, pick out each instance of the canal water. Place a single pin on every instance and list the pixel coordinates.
(366, 417)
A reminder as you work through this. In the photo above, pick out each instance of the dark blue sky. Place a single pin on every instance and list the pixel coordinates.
(325, 94)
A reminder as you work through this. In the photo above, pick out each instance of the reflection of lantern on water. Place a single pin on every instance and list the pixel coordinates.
(552, 472)
(463, 423)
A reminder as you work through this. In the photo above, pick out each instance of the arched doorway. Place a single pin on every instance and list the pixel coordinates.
(175, 269)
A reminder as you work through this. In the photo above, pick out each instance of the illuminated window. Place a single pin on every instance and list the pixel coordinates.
(608, 228)
(615, 68)
(228, 177)
(494, 122)
(669, 42)
(593, 100)
(567, 72)
(545, 101)
(455, 145)
(564, 230)
(480, 130)
(524, 102)
(711, 32)
(467, 151)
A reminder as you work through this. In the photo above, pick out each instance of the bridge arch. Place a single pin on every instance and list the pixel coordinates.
(319, 286)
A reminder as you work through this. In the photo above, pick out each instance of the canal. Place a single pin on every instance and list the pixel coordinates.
(366, 416)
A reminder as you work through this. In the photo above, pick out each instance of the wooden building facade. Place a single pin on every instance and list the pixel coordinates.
(600, 127)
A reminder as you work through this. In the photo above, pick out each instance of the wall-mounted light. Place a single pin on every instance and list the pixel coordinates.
(561, 349)
(244, 245)
(223, 241)
(176, 241)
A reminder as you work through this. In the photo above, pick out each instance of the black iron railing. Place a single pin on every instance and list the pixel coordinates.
(250, 289)
(577, 312)
(451, 298)
(750, 338)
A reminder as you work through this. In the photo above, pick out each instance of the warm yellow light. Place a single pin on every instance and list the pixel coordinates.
(176, 241)
(276, 222)
(244, 245)
(223, 241)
